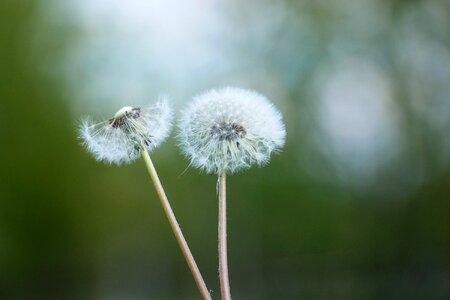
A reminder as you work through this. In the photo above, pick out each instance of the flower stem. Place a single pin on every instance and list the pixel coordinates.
(175, 227)
(222, 232)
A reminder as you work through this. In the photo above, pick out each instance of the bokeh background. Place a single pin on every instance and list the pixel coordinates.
(357, 206)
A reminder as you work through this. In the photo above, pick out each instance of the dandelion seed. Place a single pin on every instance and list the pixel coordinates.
(230, 129)
(121, 138)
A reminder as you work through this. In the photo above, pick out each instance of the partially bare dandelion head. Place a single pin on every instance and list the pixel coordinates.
(120, 139)
(230, 129)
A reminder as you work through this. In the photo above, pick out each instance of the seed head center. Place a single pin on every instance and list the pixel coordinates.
(125, 113)
(228, 131)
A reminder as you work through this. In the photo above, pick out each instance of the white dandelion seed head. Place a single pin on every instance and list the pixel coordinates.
(230, 129)
(120, 138)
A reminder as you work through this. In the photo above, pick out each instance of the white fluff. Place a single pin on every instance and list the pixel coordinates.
(120, 138)
(230, 129)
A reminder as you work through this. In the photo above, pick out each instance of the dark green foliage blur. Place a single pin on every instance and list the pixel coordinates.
(73, 228)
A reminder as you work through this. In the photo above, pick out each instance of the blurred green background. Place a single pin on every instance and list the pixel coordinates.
(357, 206)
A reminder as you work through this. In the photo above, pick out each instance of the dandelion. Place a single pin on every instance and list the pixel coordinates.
(225, 131)
(121, 138)
(229, 130)
(135, 131)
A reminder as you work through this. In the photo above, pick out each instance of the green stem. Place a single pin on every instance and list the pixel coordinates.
(175, 227)
(222, 233)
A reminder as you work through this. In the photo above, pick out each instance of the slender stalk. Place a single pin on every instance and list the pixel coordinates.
(223, 257)
(175, 227)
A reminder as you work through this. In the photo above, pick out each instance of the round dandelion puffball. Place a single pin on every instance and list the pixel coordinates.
(230, 129)
(120, 139)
